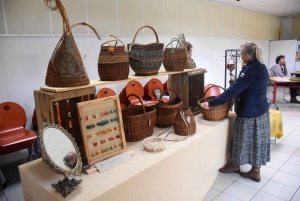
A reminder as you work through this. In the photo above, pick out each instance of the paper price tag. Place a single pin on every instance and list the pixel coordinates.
(113, 161)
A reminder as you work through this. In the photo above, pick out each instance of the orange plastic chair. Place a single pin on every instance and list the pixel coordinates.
(214, 91)
(13, 135)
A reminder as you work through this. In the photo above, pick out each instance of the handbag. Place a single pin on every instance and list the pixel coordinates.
(145, 59)
(184, 122)
(113, 62)
(175, 58)
(65, 68)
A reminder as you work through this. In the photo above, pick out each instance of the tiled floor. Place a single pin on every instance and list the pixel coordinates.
(280, 178)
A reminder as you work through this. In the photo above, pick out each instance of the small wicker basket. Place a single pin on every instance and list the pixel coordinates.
(215, 113)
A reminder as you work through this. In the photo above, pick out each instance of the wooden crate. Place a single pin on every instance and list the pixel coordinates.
(65, 112)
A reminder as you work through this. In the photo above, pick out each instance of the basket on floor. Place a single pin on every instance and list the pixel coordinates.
(113, 63)
(185, 126)
(175, 58)
(138, 121)
(215, 113)
(166, 112)
(145, 59)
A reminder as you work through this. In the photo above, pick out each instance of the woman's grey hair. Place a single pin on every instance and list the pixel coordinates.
(252, 49)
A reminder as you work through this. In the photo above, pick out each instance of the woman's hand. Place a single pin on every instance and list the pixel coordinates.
(205, 105)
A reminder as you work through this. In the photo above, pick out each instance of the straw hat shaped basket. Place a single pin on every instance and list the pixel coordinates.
(215, 113)
(145, 59)
(138, 121)
(65, 68)
(175, 58)
(113, 63)
(166, 112)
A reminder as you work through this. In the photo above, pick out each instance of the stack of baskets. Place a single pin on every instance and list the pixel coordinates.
(215, 113)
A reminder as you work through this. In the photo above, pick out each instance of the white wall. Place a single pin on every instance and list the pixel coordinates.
(287, 24)
(26, 40)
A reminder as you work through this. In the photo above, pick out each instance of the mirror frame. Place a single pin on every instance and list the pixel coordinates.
(46, 158)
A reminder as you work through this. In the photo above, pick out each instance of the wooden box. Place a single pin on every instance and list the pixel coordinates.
(101, 128)
(61, 108)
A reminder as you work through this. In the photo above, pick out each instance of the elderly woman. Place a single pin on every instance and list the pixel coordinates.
(251, 136)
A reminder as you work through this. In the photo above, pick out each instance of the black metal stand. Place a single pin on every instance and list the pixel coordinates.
(2, 180)
(235, 55)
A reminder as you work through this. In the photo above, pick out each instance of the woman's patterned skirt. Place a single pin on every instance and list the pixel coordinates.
(251, 141)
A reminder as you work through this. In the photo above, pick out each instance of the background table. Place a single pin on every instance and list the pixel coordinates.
(184, 171)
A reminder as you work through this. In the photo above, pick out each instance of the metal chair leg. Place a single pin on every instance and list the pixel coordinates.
(2, 180)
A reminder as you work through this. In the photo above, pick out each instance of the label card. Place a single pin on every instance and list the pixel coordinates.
(113, 161)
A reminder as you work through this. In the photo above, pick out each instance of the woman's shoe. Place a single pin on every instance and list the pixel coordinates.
(230, 168)
(253, 174)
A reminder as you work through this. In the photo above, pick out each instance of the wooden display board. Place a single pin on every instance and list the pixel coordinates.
(101, 128)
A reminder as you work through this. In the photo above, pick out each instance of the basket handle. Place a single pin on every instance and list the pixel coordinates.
(229, 60)
(178, 42)
(212, 87)
(146, 26)
(166, 92)
(117, 39)
(139, 100)
(116, 42)
(86, 24)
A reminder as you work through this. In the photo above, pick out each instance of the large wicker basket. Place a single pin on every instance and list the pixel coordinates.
(215, 113)
(166, 112)
(145, 59)
(138, 121)
(175, 58)
(113, 63)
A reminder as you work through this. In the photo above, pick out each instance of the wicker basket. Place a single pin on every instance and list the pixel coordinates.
(180, 126)
(145, 59)
(138, 121)
(175, 58)
(215, 113)
(65, 68)
(113, 63)
(166, 112)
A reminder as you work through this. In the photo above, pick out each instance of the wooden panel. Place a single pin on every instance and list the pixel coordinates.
(130, 16)
(204, 18)
(228, 21)
(247, 30)
(154, 16)
(173, 17)
(275, 28)
(2, 25)
(217, 20)
(76, 13)
(296, 32)
(190, 17)
(26, 17)
(102, 15)
(238, 23)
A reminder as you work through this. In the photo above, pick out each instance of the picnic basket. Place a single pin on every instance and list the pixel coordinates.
(138, 121)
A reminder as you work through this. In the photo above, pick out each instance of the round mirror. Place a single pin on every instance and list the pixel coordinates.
(61, 152)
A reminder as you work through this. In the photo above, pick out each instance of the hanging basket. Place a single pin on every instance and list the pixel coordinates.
(65, 68)
(166, 112)
(175, 58)
(138, 121)
(145, 59)
(215, 113)
(113, 63)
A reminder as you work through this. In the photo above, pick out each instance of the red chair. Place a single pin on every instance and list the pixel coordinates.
(13, 135)
(214, 91)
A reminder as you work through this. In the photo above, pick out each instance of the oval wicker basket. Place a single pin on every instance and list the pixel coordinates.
(138, 121)
(215, 113)
(166, 112)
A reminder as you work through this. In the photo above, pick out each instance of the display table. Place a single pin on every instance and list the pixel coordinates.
(184, 171)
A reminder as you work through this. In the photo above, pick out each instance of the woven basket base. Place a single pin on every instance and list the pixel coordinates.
(137, 138)
(146, 73)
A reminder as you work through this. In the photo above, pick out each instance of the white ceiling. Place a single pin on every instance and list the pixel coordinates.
(280, 8)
